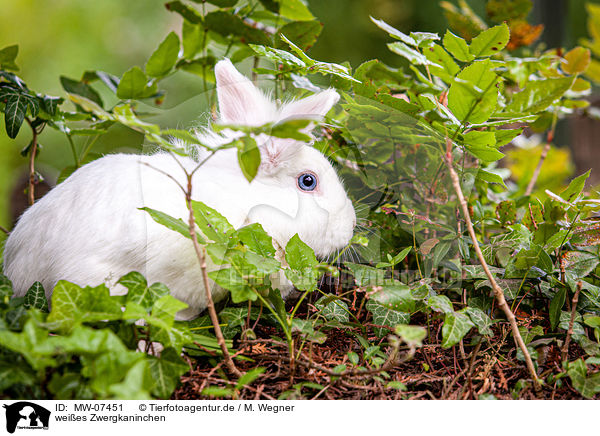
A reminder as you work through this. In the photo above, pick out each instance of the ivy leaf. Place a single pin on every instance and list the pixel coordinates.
(481, 320)
(165, 56)
(36, 298)
(73, 305)
(14, 113)
(139, 292)
(490, 41)
(166, 371)
(456, 326)
(230, 279)
(385, 316)
(440, 303)
(586, 386)
(333, 308)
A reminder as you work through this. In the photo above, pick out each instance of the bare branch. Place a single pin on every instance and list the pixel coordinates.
(499, 294)
(565, 348)
(201, 254)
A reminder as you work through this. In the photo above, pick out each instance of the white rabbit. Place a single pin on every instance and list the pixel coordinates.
(88, 230)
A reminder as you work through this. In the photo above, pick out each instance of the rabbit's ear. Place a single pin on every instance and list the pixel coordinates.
(240, 102)
(316, 105)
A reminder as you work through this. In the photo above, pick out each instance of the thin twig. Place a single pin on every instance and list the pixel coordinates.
(536, 173)
(32, 154)
(4, 230)
(545, 150)
(201, 254)
(497, 290)
(565, 349)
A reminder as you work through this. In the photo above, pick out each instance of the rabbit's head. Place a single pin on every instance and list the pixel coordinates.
(296, 189)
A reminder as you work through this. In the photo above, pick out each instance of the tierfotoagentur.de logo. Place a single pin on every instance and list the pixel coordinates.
(25, 415)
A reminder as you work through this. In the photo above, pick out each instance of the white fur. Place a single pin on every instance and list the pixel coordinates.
(88, 230)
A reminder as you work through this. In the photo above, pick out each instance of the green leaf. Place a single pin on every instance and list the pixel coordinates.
(366, 275)
(302, 33)
(230, 279)
(7, 58)
(228, 24)
(575, 187)
(249, 377)
(80, 88)
(166, 371)
(139, 292)
(440, 303)
(256, 239)
(457, 47)
(212, 224)
(393, 32)
(36, 297)
(473, 96)
(219, 3)
(538, 95)
(385, 316)
(490, 41)
(586, 386)
(134, 84)
(411, 54)
(248, 157)
(164, 57)
(175, 224)
(192, 39)
(456, 326)
(577, 60)
(14, 114)
(187, 12)
(396, 297)
(307, 329)
(296, 10)
(333, 308)
(298, 255)
(506, 212)
(556, 305)
(447, 67)
(490, 177)
(481, 320)
(72, 305)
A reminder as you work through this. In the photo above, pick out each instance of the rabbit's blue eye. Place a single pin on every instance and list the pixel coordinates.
(307, 182)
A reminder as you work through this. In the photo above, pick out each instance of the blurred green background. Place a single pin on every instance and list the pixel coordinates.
(67, 37)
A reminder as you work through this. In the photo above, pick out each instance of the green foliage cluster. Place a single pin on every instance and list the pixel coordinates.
(460, 100)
